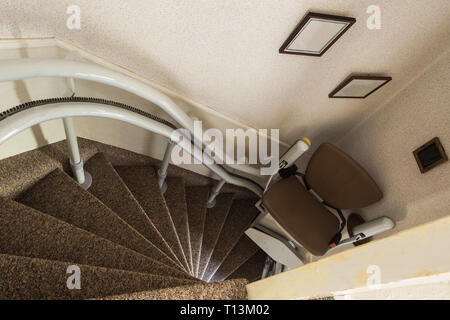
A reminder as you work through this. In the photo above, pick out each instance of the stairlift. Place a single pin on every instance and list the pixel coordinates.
(296, 221)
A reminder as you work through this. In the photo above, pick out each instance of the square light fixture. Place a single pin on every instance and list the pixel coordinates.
(359, 87)
(315, 34)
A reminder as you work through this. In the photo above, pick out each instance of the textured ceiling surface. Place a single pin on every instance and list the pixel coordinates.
(224, 54)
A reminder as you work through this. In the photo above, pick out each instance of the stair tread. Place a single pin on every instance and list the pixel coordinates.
(21, 171)
(122, 226)
(252, 269)
(196, 198)
(30, 233)
(27, 278)
(175, 196)
(108, 187)
(142, 182)
(227, 290)
(242, 251)
(241, 215)
(214, 222)
(61, 197)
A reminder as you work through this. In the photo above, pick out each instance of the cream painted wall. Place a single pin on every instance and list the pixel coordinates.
(224, 54)
(434, 287)
(384, 144)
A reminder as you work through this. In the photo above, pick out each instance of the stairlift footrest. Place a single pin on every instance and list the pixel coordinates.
(275, 248)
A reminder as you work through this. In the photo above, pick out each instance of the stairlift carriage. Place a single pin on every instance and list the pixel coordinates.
(301, 213)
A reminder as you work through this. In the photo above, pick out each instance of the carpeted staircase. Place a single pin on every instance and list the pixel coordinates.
(128, 239)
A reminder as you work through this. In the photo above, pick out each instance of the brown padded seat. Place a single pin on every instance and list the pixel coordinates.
(340, 180)
(301, 215)
(337, 179)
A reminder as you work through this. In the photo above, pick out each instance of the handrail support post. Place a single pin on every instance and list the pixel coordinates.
(214, 193)
(76, 162)
(162, 171)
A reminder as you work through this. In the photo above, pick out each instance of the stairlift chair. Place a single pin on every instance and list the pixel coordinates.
(301, 213)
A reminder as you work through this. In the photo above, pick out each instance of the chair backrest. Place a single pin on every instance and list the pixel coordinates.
(339, 180)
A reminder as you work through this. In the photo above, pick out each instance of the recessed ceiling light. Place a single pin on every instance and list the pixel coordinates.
(359, 87)
(316, 33)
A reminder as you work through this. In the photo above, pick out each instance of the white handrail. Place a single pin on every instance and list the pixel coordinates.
(25, 119)
(18, 69)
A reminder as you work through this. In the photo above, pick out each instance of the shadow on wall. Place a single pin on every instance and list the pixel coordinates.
(384, 145)
(24, 96)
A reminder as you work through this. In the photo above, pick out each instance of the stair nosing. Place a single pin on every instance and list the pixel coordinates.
(176, 262)
(172, 226)
(74, 184)
(237, 266)
(92, 235)
(228, 252)
(169, 181)
(217, 238)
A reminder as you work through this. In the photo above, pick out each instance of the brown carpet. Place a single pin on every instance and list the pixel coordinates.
(130, 241)
(175, 196)
(32, 279)
(108, 187)
(252, 269)
(30, 233)
(196, 198)
(241, 252)
(241, 215)
(23, 170)
(227, 290)
(61, 197)
(214, 221)
(143, 183)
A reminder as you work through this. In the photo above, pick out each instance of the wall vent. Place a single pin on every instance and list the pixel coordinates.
(430, 155)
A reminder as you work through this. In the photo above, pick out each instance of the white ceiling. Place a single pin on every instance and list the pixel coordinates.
(224, 54)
